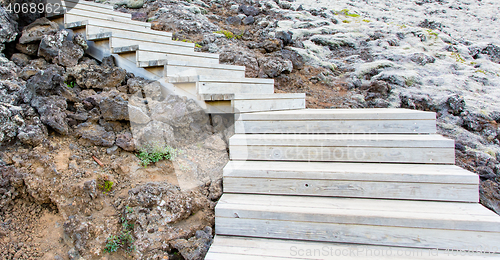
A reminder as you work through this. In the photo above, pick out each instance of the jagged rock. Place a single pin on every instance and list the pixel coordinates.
(176, 18)
(456, 104)
(20, 59)
(196, 247)
(114, 109)
(248, 20)
(57, 49)
(376, 89)
(137, 116)
(272, 67)
(97, 77)
(52, 112)
(140, 16)
(233, 20)
(285, 37)
(8, 70)
(38, 30)
(11, 183)
(9, 123)
(474, 122)
(249, 10)
(33, 131)
(126, 142)
(79, 39)
(422, 59)
(155, 132)
(95, 135)
(490, 195)
(29, 48)
(8, 31)
(491, 51)
(45, 81)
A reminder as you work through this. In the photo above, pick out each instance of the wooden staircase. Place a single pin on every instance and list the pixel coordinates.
(308, 184)
(152, 54)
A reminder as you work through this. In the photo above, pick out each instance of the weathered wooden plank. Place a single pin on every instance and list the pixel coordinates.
(245, 106)
(336, 126)
(342, 114)
(78, 15)
(375, 205)
(230, 88)
(344, 154)
(360, 234)
(120, 42)
(360, 216)
(359, 189)
(98, 26)
(351, 171)
(352, 140)
(253, 248)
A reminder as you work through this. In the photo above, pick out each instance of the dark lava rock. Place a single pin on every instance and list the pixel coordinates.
(430, 24)
(491, 50)
(285, 37)
(20, 59)
(52, 112)
(140, 16)
(95, 135)
(97, 77)
(233, 20)
(474, 122)
(456, 104)
(114, 109)
(249, 10)
(248, 20)
(422, 59)
(126, 142)
(57, 49)
(38, 30)
(46, 80)
(485, 172)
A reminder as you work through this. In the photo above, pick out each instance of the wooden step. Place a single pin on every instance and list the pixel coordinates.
(93, 27)
(144, 53)
(421, 224)
(249, 248)
(246, 103)
(226, 85)
(101, 9)
(377, 148)
(76, 15)
(362, 180)
(342, 121)
(175, 68)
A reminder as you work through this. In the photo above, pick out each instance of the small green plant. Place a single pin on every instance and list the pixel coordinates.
(346, 21)
(129, 209)
(70, 83)
(112, 244)
(154, 153)
(125, 239)
(104, 183)
(366, 20)
(239, 36)
(457, 57)
(346, 13)
(431, 32)
(228, 34)
(480, 71)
